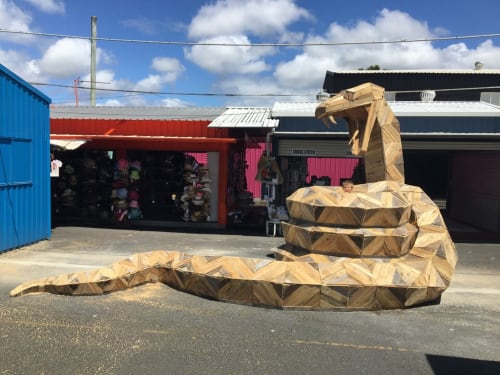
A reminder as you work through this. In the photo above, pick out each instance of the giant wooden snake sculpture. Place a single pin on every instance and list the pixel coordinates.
(384, 245)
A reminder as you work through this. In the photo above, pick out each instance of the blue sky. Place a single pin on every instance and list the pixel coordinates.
(247, 71)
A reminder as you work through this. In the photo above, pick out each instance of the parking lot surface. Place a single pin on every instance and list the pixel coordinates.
(156, 329)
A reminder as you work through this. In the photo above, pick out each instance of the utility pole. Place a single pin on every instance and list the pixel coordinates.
(93, 59)
(76, 83)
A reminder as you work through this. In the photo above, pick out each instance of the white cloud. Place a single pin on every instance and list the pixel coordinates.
(66, 58)
(229, 59)
(105, 79)
(173, 102)
(307, 70)
(14, 18)
(48, 6)
(152, 83)
(69, 58)
(121, 91)
(111, 103)
(169, 67)
(460, 54)
(257, 17)
(263, 89)
(22, 65)
(303, 72)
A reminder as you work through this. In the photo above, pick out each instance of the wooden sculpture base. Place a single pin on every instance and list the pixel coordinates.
(367, 279)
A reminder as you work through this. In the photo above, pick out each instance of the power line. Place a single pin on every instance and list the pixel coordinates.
(167, 93)
(318, 44)
(141, 92)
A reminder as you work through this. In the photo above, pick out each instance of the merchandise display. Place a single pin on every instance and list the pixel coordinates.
(158, 185)
(195, 197)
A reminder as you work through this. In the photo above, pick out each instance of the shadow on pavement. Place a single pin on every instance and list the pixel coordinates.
(454, 365)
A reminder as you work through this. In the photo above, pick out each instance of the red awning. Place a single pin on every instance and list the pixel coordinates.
(141, 138)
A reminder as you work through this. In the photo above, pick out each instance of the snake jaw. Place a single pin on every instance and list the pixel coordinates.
(354, 143)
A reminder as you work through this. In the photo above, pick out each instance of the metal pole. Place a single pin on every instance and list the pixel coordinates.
(76, 82)
(93, 59)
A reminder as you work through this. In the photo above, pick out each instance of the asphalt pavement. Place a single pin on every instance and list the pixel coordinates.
(155, 329)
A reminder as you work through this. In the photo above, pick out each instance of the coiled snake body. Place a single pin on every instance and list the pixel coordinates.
(384, 245)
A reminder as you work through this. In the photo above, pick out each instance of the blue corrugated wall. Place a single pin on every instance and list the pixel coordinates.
(24, 162)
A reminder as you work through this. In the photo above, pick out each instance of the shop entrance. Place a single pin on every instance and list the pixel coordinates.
(100, 186)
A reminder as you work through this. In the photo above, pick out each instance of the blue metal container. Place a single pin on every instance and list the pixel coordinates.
(24, 163)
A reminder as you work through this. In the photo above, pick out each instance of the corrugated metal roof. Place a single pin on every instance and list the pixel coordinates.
(136, 113)
(245, 117)
(19, 81)
(400, 108)
(445, 109)
(294, 109)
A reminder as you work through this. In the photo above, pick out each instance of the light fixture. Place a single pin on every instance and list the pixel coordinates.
(322, 95)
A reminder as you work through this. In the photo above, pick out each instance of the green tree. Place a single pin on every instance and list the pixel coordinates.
(371, 67)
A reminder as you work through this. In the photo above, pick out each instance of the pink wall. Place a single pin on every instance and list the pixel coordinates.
(335, 168)
(252, 156)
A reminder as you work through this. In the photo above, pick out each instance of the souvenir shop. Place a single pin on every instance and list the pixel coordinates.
(144, 178)
(308, 152)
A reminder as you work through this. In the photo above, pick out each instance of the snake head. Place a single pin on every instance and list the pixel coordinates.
(358, 106)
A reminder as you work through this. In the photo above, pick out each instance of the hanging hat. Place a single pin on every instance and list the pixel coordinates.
(121, 204)
(134, 213)
(136, 164)
(198, 199)
(133, 204)
(122, 193)
(189, 189)
(197, 216)
(133, 195)
(134, 175)
(206, 188)
(122, 164)
(205, 179)
(190, 177)
(121, 215)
